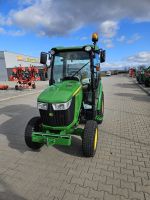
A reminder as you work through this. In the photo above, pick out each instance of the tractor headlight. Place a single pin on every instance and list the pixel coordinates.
(88, 48)
(42, 106)
(62, 106)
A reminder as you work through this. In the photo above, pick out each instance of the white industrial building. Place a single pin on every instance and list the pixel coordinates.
(9, 60)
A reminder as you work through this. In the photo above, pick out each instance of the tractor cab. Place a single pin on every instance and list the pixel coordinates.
(80, 64)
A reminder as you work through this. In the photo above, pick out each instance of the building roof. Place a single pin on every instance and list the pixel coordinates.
(5, 51)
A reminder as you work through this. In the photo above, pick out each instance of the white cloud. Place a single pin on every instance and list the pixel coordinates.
(16, 33)
(2, 30)
(109, 29)
(84, 38)
(11, 32)
(141, 57)
(5, 20)
(134, 38)
(26, 2)
(61, 17)
(46, 16)
(2, 20)
(121, 38)
(108, 43)
(114, 65)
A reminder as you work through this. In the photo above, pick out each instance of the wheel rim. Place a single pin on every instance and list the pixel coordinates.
(95, 138)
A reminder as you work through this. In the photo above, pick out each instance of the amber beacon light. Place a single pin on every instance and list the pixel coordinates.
(94, 37)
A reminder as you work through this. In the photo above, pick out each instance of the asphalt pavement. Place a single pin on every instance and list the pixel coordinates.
(11, 93)
(120, 169)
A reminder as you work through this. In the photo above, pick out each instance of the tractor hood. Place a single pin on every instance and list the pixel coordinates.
(60, 92)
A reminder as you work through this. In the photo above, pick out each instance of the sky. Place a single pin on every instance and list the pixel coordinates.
(31, 26)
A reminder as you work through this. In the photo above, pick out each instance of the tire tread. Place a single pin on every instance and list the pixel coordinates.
(33, 125)
(88, 138)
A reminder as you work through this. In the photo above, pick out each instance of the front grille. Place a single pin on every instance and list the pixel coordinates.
(52, 117)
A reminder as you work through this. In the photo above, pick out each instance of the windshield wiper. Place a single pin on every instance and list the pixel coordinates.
(80, 69)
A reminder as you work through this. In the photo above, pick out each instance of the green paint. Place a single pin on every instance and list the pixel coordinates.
(74, 48)
(60, 92)
(100, 90)
(61, 138)
(51, 139)
(99, 118)
(78, 101)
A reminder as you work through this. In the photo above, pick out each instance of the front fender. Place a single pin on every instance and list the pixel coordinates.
(100, 92)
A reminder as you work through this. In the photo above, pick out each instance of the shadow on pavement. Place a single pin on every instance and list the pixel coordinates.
(126, 85)
(15, 118)
(75, 149)
(134, 85)
(136, 97)
(7, 194)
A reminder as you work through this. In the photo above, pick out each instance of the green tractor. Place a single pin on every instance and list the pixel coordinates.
(74, 96)
(147, 77)
(140, 74)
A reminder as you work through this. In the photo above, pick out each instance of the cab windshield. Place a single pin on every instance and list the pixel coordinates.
(68, 63)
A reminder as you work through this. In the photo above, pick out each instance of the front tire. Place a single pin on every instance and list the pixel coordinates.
(33, 125)
(90, 138)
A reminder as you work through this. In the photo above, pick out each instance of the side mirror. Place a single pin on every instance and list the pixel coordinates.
(43, 58)
(102, 56)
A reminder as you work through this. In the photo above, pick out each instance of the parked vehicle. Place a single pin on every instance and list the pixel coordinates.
(108, 73)
(132, 72)
(147, 77)
(140, 74)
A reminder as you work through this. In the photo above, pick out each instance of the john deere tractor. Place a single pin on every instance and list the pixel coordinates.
(74, 96)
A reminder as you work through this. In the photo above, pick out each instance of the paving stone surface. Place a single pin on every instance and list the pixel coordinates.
(120, 169)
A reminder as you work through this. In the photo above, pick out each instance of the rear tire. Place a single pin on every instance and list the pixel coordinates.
(16, 87)
(33, 86)
(33, 125)
(90, 138)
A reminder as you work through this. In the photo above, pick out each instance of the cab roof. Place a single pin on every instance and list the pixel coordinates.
(61, 48)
